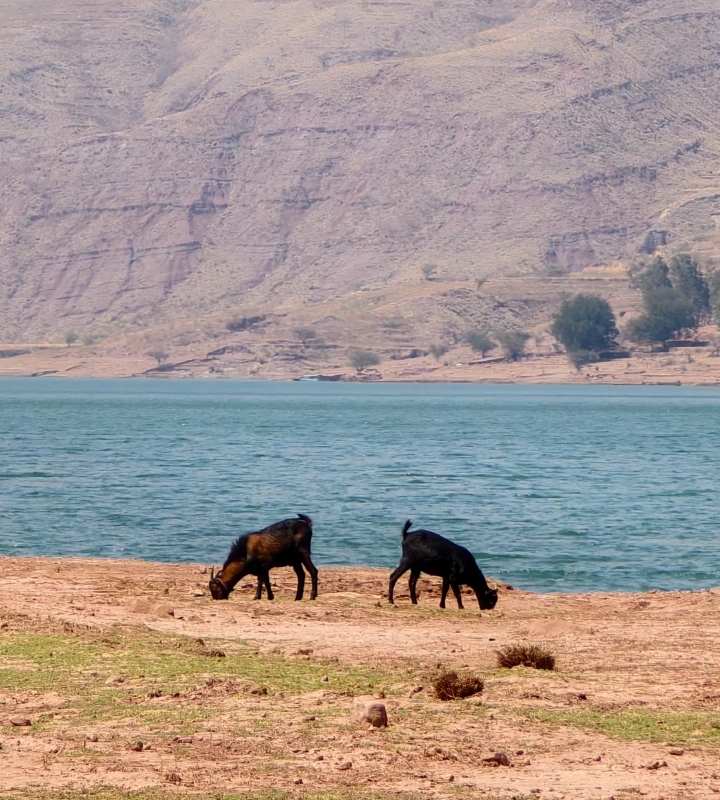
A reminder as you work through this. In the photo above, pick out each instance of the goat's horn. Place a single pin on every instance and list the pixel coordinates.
(212, 573)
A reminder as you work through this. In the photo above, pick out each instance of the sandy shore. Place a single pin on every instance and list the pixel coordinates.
(90, 658)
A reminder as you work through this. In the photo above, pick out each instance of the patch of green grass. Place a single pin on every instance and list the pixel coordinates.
(682, 727)
(79, 662)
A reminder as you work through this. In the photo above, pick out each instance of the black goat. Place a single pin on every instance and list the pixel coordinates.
(425, 551)
(282, 544)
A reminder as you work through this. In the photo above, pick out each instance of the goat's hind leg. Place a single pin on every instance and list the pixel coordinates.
(300, 572)
(402, 568)
(312, 569)
(412, 584)
(443, 594)
(458, 594)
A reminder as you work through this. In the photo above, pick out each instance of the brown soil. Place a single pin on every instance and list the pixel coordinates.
(655, 654)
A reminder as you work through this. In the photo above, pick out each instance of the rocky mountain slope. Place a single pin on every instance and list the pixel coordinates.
(164, 162)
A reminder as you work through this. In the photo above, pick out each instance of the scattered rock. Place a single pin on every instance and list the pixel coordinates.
(304, 651)
(183, 739)
(309, 719)
(676, 751)
(656, 764)
(320, 758)
(298, 781)
(114, 680)
(416, 690)
(369, 712)
(137, 746)
(93, 737)
(451, 778)
(173, 777)
(20, 722)
(198, 594)
(519, 752)
(214, 654)
(324, 679)
(499, 758)
(346, 765)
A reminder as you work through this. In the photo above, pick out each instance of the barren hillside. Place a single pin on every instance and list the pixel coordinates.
(168, 162)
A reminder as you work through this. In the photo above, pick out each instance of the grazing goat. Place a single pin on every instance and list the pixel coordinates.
(283, 544)
(425, 551)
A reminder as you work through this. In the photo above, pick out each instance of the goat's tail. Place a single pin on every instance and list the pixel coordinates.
(406, 528)
(305, 518)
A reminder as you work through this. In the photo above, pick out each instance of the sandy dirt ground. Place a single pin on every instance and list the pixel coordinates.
(619, 656)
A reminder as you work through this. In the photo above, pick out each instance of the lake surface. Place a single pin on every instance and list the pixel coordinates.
(553, 488)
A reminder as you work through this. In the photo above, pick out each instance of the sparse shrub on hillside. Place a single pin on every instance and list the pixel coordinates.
(243, 323)
(305, 334)
(585, 325)
(479, 283)
(362, 359)
(525, 655)
(448, 685)
(513, 344)
(438, 350)
(480, 342)
(159, 355)
(71, 337)
(429, 270)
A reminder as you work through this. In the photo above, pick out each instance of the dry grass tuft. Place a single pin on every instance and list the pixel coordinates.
(448, 685)
(525, 655)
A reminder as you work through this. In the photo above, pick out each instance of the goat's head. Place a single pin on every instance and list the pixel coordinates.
(488, 599)
(218, 589)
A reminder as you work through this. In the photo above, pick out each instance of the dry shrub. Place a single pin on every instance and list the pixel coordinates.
(525, 655)
(448, 685)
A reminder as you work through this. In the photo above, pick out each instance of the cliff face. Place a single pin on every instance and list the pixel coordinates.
(167, 159)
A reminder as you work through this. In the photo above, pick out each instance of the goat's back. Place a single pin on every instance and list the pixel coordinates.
(272, 542)
(435, 554)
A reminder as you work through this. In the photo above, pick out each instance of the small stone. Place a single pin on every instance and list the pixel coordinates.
(298, 781)
(656, 765)
(183, 739)
(676, 751)
(534, 791)
(451, 778)
(113, 680)
(137, 746)
(304, 651)
(93, 737)
(597, 758)
(346, 765)
(309, 719)
(369, 712)
(320, 758)
(198, 594)
(20, 722)
(519, 752)
(499, 758)
(324, 679)
(415, 690)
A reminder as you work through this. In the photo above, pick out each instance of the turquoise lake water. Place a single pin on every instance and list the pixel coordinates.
(553, 488)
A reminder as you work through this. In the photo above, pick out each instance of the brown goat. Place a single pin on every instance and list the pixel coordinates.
(282, 544)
